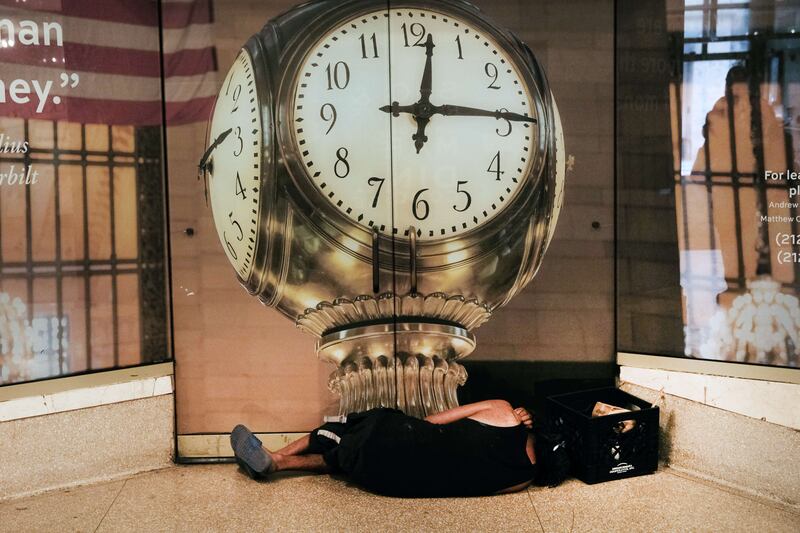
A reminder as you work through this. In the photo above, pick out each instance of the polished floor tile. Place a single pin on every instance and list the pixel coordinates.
(221, 498)
(659, 502)
(76, 509)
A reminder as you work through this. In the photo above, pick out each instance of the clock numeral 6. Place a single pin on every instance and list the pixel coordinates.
(469, 197)
(328, 118)
(420, 204)
(372, 182)
(341, 161)
(416, 30)
(230, 247)
(492, 72)
(338, 76)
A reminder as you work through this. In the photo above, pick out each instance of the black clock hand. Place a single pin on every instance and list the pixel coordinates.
(207, 155)
(395, 109)
(203, 166)
(420, 138)
(422, 119)
(461, 111)
(427, 111)
(426, 87)
(422, 108)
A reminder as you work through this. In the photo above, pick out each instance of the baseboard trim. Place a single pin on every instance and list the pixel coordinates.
(214, 447)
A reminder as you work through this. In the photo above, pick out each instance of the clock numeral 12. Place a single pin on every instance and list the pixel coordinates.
(416, 30)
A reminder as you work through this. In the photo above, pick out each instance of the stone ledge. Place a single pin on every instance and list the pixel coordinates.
(755, 457)
(85, 446)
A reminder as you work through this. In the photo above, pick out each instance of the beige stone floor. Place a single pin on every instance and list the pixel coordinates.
(221, 498)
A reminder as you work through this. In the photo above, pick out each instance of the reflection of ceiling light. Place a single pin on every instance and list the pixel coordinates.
(762, 325)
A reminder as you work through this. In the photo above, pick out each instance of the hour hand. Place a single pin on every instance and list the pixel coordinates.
(461, 111)
(207, 155)
(420, 138)
(395, 109)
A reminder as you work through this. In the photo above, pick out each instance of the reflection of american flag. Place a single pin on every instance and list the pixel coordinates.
(113, 46)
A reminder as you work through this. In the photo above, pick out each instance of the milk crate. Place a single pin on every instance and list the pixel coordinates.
(607, 447)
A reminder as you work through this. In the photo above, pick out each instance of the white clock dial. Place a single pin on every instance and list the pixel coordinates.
(359, 133)
(235, 176)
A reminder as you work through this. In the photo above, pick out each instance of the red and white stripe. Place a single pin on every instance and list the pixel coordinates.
(113, 46)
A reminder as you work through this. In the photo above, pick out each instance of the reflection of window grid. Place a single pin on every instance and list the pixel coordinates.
(146, 265)
(764, 56)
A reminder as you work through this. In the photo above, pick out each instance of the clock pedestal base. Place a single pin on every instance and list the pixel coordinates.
(417, 384)
(411, 366)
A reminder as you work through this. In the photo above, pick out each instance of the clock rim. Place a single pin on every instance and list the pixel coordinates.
(434, 252)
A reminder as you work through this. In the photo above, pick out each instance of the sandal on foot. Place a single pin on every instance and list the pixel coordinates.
(249, 453)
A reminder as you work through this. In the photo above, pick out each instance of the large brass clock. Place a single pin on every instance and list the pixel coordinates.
(387, 178)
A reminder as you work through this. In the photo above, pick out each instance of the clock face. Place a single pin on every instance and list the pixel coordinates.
(235, 176)
(412, 118)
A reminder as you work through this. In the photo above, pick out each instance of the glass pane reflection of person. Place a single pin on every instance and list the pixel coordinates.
(477, 449)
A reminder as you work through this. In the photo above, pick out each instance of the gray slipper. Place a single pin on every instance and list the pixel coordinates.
(249, 453)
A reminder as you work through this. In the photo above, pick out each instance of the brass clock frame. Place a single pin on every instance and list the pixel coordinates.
(387, 305)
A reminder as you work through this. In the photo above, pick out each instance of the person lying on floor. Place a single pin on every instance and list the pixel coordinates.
(477, 449)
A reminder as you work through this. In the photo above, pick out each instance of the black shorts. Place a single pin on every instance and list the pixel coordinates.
(340, 443)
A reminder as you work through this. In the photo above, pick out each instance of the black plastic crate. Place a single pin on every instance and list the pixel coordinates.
(599, 450)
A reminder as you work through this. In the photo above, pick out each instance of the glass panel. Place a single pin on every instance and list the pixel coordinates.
(734, 203)
(82, 255)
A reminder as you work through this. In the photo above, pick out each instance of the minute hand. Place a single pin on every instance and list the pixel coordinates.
(456, 110)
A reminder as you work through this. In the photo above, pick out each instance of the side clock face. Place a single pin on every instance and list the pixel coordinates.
(235, 164)
(413, 118)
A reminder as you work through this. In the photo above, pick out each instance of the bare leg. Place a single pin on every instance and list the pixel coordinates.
(307, 463)
(298, 447)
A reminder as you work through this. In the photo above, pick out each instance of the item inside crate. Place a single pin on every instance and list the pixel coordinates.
(603, 409)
